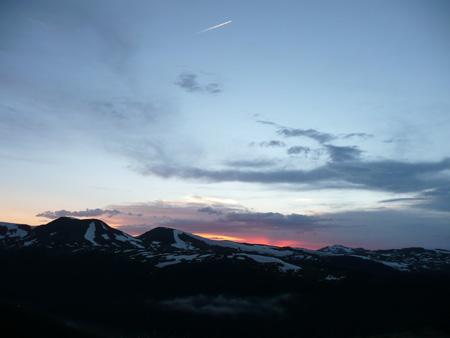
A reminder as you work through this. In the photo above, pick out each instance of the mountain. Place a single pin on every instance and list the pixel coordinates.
(83, 278)
(78, 234)
(162, 247)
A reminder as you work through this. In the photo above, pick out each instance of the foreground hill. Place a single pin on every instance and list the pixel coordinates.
(83, 278)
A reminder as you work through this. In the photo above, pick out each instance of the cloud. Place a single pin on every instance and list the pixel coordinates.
(437, 199)
(274, 220)
(214, 27)
(247, 221)
(394, 176)
(270, 144)
(188, 81)
(343, 154)
(310, 133)
(84, 213)
(364, 136)
(299, 150)
(314, 134)
(210, 211)
(251, 163)
(404, 199)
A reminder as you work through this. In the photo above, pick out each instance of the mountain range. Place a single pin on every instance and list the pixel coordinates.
(82, 278)
(161, 247)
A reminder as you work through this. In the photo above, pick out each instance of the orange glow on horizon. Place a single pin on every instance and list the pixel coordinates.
(216, 237)
(262, 240)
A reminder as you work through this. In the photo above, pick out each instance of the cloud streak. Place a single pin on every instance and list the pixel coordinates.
(214, 27)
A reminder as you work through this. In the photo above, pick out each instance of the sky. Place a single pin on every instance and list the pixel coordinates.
(301, 123)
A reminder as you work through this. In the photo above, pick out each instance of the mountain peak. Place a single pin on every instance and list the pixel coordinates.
(74, 233)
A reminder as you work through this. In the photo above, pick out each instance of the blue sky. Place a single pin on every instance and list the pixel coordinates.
(301, 122)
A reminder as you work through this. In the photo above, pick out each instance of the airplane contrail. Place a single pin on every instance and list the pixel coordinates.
(213, 27)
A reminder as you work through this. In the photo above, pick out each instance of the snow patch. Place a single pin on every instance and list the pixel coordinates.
(178, 242)
(331, 277)
(90, 234)
(129, 239)
(14, 230)
(362, 257)
(396, 266)
(264, 259)
(30, 242)
(338, 250)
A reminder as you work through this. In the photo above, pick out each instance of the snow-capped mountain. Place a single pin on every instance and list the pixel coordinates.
(161, 247)
(78, 234)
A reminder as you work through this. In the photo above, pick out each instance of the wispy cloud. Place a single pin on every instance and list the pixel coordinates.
(299, 150)
(314, 134)
(188, 81)
(359, 135)
(310, 133)
(268, 144)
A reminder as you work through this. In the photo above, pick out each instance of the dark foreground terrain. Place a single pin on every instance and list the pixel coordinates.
(63, 291)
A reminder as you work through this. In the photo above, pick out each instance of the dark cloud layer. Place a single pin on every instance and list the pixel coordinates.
(209, 210)
(394, 176)
(84, 213)
(188, 82)
(249, 221)
(437, 199)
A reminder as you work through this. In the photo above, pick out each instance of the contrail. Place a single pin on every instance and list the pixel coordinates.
(213, 27)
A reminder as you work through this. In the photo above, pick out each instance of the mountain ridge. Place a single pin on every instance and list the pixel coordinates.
(161, 247)
(169, 283)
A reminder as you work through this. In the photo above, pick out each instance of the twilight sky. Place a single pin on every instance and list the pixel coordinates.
(303, 123)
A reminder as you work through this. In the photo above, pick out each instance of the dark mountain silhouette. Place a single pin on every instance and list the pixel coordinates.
(83, 278)
(74, 233)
